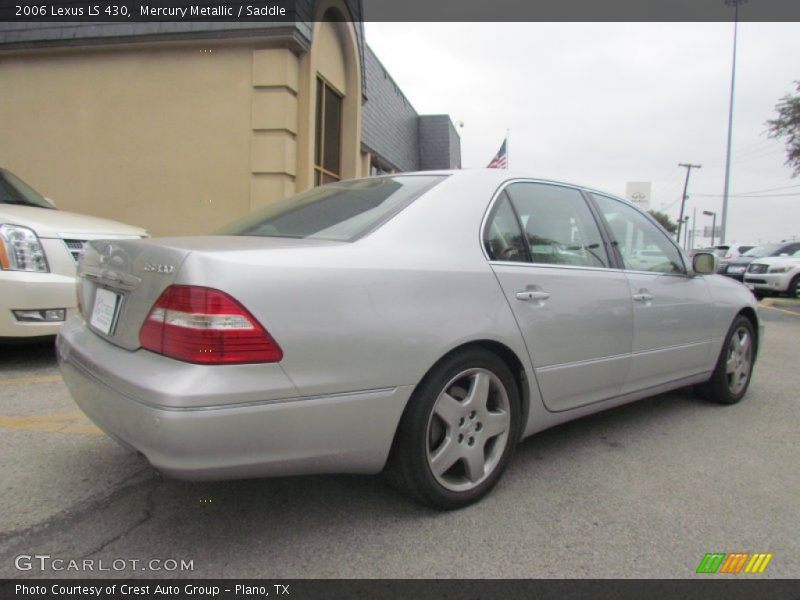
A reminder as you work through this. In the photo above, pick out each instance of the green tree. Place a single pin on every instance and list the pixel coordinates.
(663, 218)
(787, 126)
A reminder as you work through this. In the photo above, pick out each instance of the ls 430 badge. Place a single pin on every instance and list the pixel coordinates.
(162, 269)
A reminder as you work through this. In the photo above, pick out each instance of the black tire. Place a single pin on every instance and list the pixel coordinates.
(729, 383)
(794, 287)
(423, 435)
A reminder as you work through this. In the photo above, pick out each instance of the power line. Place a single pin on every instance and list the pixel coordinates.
(786, 187)
(748, 195)
(758, 156)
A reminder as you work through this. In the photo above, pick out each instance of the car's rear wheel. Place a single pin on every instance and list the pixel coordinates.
(734, 369)
(458, 431)
(794, 287)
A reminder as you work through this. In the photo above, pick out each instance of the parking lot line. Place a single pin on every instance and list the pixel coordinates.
(74, 422)
(29, 380)
(783, 310)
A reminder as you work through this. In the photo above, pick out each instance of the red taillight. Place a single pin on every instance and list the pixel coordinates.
(206, 326)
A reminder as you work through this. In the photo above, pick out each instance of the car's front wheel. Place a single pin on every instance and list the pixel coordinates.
(794, 287)
(458, 431)
(731, 377)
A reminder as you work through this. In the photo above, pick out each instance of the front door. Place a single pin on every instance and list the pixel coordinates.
(672, 315)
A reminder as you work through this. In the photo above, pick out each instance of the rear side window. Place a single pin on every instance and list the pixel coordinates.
(546, 224)
(503, 239)
(557, 225)
(341, 211)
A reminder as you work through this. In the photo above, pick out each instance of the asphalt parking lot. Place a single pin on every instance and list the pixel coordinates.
(640, 491)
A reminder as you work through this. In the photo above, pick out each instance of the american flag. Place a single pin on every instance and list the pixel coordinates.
(500, 160)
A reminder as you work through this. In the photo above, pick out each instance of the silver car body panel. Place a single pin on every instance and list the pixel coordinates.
(570, 374)
(360, 324)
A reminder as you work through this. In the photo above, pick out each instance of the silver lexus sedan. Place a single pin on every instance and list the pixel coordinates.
(420, 324)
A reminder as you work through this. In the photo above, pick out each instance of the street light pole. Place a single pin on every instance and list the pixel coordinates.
(712, 214)
(723, 224)
(689, 168)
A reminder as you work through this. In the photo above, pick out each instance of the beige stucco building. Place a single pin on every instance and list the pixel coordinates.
(182, 127)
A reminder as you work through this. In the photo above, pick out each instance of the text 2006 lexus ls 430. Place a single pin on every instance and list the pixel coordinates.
(420, 324)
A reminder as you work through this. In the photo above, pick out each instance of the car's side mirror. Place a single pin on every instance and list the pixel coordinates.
(705, 263)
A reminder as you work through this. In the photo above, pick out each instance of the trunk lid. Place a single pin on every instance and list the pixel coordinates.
(123, 279)
(136, 272)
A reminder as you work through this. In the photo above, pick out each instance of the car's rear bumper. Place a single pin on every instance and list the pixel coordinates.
(34, 291)
(337, 433)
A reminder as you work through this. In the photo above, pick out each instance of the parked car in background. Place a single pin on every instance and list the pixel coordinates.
(39, 248)
(422, 323)
(774, 275)
(736, 250)
(731, 252)
(737, 267)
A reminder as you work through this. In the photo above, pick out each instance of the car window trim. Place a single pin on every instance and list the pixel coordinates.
(496, 198)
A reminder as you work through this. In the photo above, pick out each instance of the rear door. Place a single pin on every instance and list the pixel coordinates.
(574, 310)
(672, 313)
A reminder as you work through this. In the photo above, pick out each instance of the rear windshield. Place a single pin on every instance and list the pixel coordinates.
(342, 211)
(15, 191)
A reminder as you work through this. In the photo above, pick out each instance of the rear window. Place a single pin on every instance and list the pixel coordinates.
(342, 211)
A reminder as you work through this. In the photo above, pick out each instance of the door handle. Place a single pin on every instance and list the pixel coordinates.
(643, 296)
(537, 295)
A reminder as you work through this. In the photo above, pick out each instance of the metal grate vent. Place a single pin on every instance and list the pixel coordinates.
(75, 248)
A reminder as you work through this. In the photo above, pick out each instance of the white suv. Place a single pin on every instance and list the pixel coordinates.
(774, 274)
(39, 248)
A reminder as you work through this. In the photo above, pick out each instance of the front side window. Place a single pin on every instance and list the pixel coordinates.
(641, 244)
(328, 134)
(340, 211)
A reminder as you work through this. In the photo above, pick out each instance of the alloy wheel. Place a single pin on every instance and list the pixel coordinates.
(739, 361)
(468, 429)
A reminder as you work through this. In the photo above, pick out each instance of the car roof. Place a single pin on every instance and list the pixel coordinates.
(502, 175)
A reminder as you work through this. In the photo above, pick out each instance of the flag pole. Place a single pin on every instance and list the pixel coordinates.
(507, 154)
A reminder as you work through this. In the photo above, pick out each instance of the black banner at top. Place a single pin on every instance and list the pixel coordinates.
(244, 11)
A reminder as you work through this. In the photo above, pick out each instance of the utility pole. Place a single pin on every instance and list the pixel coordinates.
(724, 219)
(686, 232)
(689, 168)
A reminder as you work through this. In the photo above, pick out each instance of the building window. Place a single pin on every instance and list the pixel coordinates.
(328, 139)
